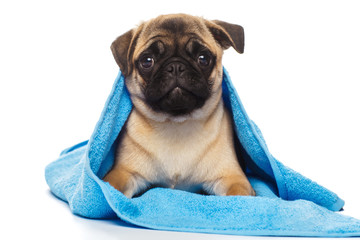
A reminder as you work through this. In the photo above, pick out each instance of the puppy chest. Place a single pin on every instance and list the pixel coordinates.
(174, 150)
(177, 158)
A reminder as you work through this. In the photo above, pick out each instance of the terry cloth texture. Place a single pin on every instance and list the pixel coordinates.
(287, 203)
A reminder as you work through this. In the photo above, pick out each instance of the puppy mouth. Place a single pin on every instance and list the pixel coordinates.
(178, 101)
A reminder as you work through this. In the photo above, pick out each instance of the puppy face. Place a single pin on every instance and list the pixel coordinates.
(172, 64)
(176, 72)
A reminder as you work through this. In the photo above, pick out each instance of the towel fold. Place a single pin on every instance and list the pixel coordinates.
(287, 203)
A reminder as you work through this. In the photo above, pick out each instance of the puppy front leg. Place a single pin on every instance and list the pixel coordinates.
(232, 185)
(125, 181)
(238, 187)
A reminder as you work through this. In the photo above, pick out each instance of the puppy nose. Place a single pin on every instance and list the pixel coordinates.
(176, 68)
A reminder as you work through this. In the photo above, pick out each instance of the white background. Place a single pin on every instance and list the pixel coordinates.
(298, 80)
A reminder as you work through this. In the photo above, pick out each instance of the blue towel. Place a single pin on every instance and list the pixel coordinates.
(287, 203)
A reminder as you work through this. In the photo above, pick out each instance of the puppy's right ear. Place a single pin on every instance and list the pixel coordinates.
(122, 49)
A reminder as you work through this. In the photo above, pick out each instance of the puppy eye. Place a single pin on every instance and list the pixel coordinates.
(204, 59)
(147, 62)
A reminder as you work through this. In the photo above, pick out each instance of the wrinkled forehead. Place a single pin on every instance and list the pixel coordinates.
(174, 30)
(176, 25)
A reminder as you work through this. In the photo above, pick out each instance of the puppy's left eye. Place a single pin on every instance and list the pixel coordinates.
(146, 62)
(204, 59)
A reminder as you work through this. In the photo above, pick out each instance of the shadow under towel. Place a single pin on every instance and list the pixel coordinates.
(287, 203)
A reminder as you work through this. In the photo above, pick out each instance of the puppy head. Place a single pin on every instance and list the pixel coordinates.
(172, 64)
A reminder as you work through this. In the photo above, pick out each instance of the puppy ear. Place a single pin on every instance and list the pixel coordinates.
(120, 48)
(123, 48)
(228, 35)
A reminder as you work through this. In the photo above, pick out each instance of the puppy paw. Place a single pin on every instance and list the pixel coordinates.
(238, 189)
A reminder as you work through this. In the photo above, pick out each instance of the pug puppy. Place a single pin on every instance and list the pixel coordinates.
(179, 133)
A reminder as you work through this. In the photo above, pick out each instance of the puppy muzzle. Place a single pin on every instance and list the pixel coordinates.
(177, 88)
